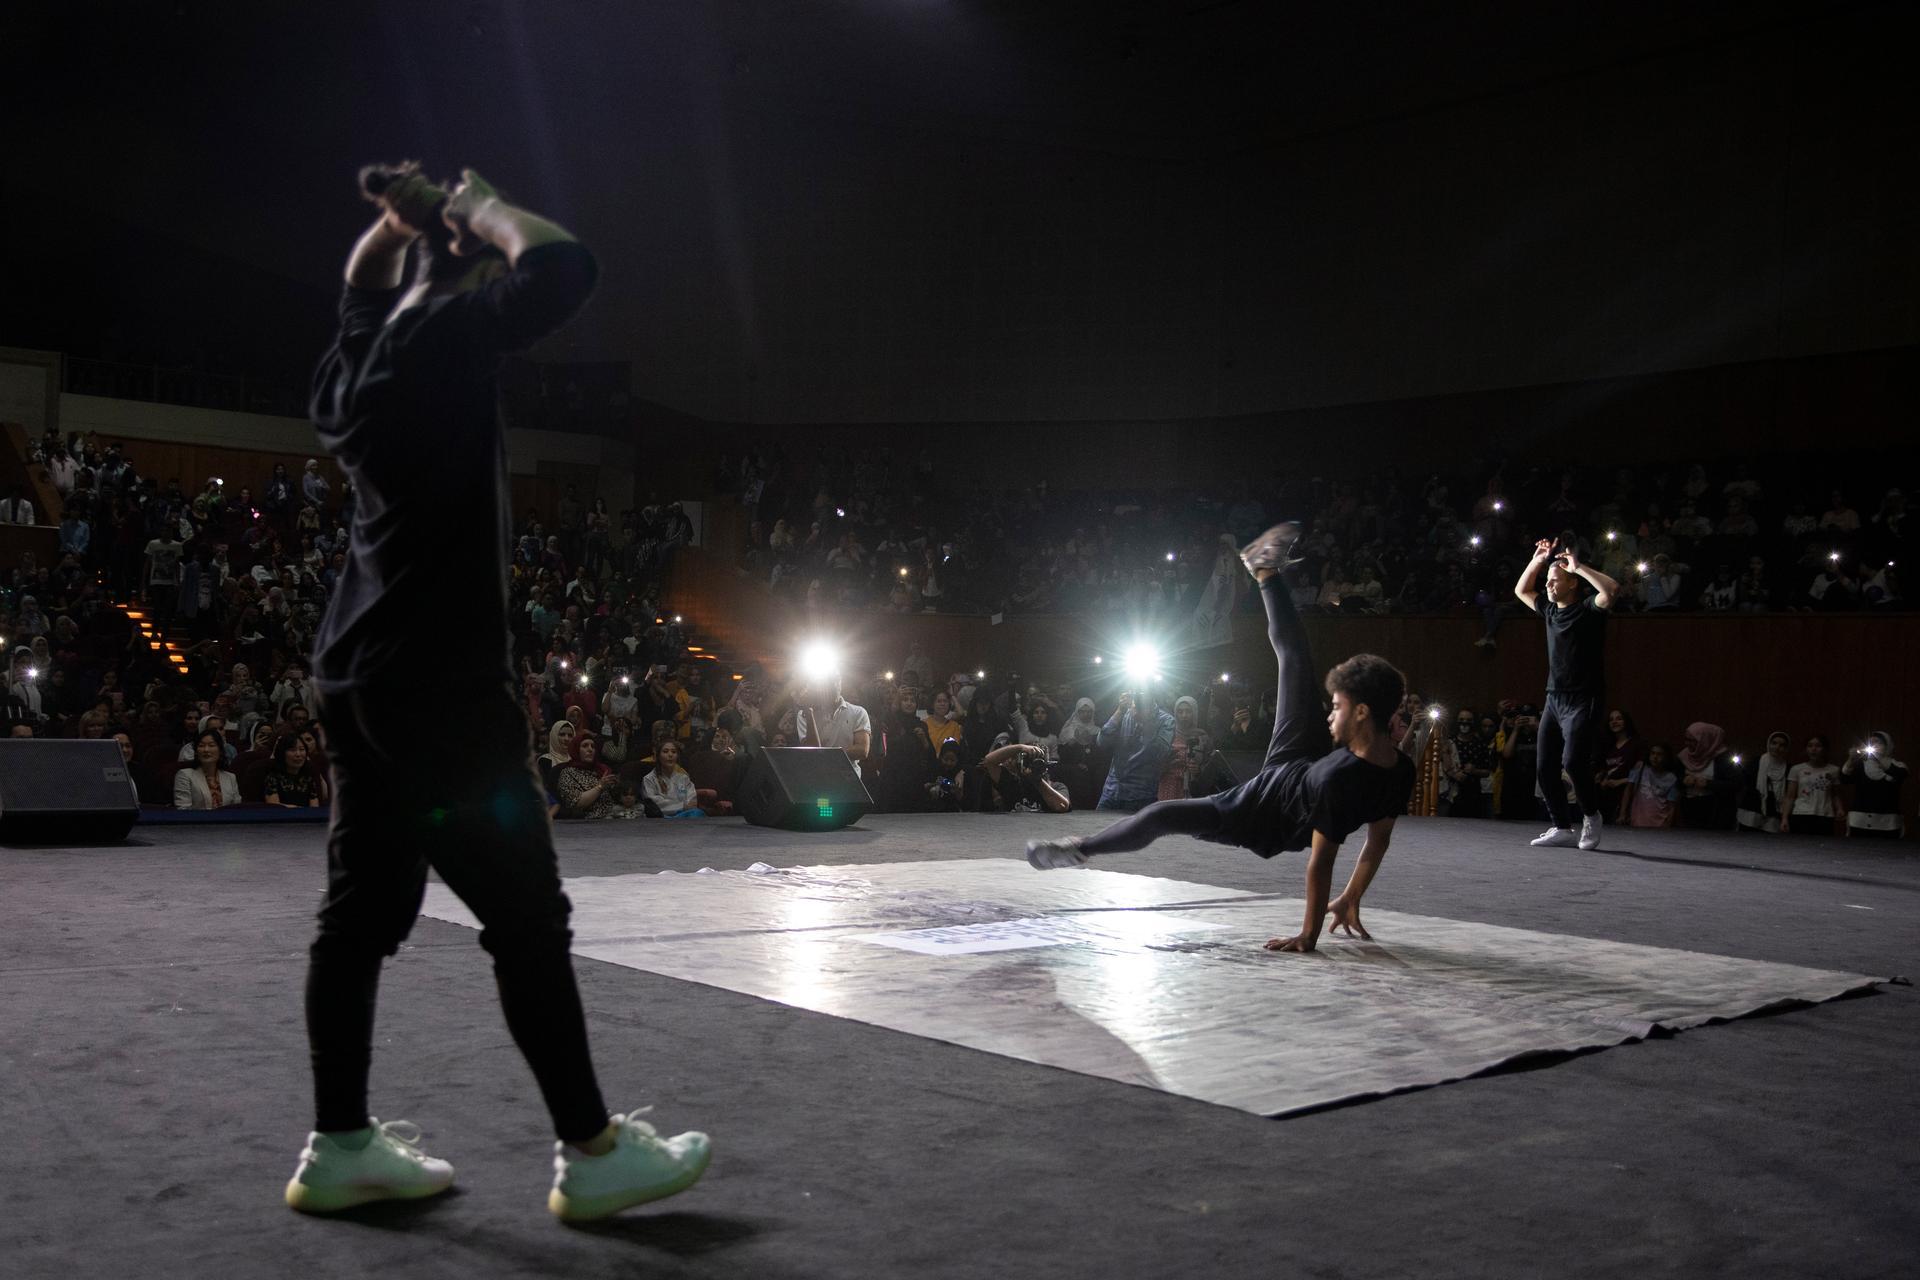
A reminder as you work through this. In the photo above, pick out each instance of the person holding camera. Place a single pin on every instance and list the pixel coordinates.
(1576, 626)
(842, 724)
(407, 400)
(1016, 778)
(1320, 782)
(1877, 779)
(1141, 741)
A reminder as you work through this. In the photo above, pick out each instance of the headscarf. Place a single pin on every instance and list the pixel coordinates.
(555, 754)
(1770, 774)
(1189, 701)
(1077, 730)
(598, 766)
(1703, 746)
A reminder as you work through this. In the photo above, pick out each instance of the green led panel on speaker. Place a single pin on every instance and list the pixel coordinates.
(825, 806)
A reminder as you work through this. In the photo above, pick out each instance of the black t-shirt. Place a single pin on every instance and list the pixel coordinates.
(410, 410)
(1280, 808)
(1575, 637)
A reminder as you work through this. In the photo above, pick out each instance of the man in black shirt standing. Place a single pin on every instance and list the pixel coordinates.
(1571, 721)
(406, 401)
(1322, 779)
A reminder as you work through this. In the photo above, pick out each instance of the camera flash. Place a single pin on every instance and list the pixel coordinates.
(886, 675)
(841, 512)
(1612, 536)
(1499, 506)
(1474, 541)
(1169, 557)
(1433, 713)
(979, 675)
(903, 571)
(1736, 758)
(676, 617)
(1098, 660)
(1834, 556)
(583, 681)
(563, 664)
(626, 680)
(1225, 677)
(1642, 566)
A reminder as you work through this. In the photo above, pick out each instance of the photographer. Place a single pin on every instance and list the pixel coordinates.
(1877, 779)
(1519, 765)
(947, 792)
(1015, 776)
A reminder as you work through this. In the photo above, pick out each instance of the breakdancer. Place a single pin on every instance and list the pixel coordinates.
(1576, 625)
(406, 401)
(1322, 780)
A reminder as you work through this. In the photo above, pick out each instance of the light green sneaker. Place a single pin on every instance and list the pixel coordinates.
(390, 1167)
(641, 1167)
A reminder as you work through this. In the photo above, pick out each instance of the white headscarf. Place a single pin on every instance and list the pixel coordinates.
(1077, 730)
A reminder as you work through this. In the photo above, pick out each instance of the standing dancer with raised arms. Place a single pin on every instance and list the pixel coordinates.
(1323, 777)
(1571, 721)
(406, 400)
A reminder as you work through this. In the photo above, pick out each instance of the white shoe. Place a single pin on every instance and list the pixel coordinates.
(1590, 831)
(1052, 855)
(390, 1167)
(1556, 838)
(641, 1167)
(1271, 549)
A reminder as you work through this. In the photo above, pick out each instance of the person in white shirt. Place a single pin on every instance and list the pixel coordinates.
(16, 509)
(843, 725)
(1764, 800)
(61, 469)
(668, 786)
(1813, 798)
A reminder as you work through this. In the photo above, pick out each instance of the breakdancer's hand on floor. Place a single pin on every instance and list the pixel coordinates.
(1346, 915)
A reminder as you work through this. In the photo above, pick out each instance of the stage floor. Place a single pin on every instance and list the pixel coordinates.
(155, 1092)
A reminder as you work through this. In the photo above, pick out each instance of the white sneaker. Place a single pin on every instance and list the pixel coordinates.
(1590, 831)
(1556, 838)
(390, 1167)
(641, 1167)
(1271, 550)
(1052, 855)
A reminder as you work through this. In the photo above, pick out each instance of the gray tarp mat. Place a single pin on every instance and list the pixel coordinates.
(1158, 982)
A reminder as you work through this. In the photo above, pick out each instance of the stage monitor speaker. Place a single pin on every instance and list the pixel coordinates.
(64, 791)
(802, 789)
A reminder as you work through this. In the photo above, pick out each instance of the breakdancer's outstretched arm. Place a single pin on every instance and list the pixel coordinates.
(1344, 909)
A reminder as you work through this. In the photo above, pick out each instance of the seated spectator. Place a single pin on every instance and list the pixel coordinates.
(626, 801)
(1651, 796)
(1723, 593)
(557, 756)
(1709, 780)
(1660, 583)
(204, 784)
(1836, 588)
(1840, 517)
(1882, 590)
(1763, 798)
(204, 724)
(947, 790)
(292, 782)
(1813, 803)
(668, 786)
(717, 767)
(1876, 778)
(583, 783)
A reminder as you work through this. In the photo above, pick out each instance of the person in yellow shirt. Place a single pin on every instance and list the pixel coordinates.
(941, 722)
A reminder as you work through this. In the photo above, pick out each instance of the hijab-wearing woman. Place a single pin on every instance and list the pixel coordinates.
(583, 781)
(1709, 780)
(1763, 798)
(1080, 729)
(557, 756)
(1877, 778)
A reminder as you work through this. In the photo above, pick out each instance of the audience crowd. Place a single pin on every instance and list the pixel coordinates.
(633, 718)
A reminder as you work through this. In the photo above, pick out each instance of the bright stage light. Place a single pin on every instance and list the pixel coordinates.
(818, 661)
(1143, 662)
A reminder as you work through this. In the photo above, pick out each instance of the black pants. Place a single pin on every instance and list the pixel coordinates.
(1299, 731)
(480, 821)
(1569, 725)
